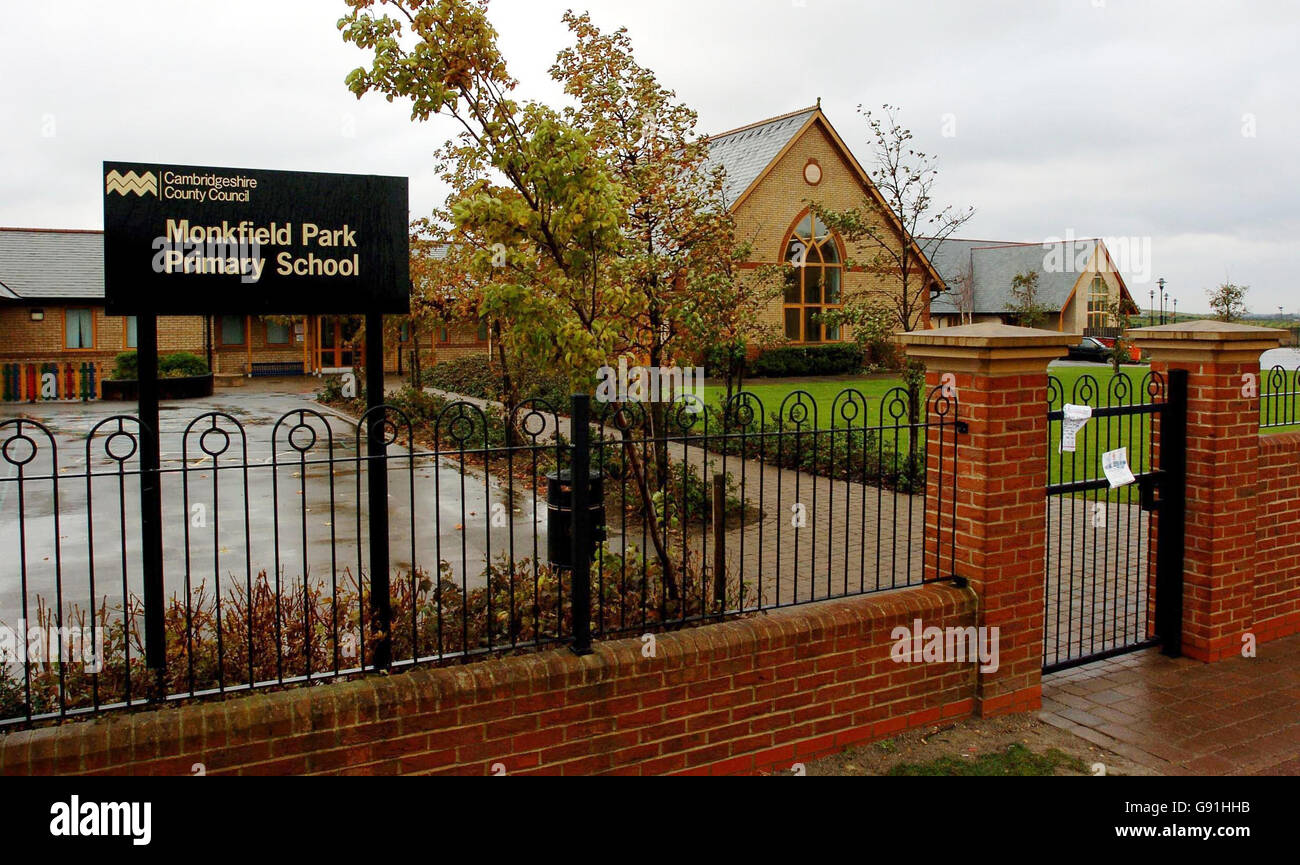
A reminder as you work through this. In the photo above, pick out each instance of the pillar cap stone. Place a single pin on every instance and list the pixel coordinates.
(1207, 340)
(990, 348)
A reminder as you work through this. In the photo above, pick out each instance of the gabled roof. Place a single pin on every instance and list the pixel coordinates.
(744, 153)
(747, 153)
(994, 264)
(38, 264)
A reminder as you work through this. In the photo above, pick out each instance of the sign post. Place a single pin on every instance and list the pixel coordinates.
(151, 530)
(381, 610)
(190, 240)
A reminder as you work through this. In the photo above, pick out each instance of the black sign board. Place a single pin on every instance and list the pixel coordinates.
(187, 240)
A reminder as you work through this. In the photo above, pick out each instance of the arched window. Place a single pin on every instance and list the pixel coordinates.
(812, 284)
(1099, 304)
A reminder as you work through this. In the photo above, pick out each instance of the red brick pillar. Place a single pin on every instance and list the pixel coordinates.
(1222, 474)
(999, 375)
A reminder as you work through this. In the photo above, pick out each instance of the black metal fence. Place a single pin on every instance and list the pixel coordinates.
(690, 514)
(1279, 397)
(1106, 559)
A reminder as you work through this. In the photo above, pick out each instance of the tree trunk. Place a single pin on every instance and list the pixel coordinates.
(416, 373)
(509, 399)
(639, 474)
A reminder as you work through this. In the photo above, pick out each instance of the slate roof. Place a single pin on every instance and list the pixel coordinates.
(743, 153)
(51, 264)
(993, 264)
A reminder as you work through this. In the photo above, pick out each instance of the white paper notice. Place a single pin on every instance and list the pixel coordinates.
(1073, 419)
(1115, 465)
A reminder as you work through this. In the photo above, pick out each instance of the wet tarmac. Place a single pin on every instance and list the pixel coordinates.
(254, 480)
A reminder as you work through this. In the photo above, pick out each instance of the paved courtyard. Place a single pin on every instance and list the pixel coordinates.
(1182, 717)
(307, 518)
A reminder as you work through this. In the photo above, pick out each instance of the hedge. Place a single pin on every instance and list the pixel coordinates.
(797, 360)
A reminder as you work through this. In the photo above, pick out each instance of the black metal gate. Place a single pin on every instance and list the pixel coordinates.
(1113, 551)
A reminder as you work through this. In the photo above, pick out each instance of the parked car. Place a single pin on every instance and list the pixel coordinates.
(1090, 349)
(1134, 353)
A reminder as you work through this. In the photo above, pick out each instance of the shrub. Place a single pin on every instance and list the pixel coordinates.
(479, 376)
(798, 360)
(182, 364)
(269, 629)
(125, 367)
(473, 375)
(877, 456)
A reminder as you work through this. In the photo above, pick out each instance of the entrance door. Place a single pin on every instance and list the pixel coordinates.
(333, 349)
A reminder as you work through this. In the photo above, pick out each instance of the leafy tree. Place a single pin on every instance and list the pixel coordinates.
(576, 232)
(1024, 305)
(1121, 312)
(731, 319)
(874, 332)
(900, 227)
(521, 176)
(964, 293)
(1228, 301)
(677, 232)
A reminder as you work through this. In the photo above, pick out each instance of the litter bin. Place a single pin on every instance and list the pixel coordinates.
(559, 516)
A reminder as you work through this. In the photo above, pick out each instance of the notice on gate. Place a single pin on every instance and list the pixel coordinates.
(189, 240)
(1073, 419)
(1115, 465)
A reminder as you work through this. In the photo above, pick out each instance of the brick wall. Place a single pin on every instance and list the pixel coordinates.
(740, 697)
(1239, 550)
(1277, 537)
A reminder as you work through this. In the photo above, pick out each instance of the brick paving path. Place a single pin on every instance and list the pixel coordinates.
(1097, 578)
(854, 538)
(1181, 717)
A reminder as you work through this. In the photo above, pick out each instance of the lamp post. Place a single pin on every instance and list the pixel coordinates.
(1164, 296)
(1151, 307)
(1175, 310)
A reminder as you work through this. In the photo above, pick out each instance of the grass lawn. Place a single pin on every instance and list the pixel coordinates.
(1097, 386)
(1092, 385)
(771, 392)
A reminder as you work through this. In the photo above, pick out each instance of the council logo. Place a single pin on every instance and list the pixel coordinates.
(131, 182)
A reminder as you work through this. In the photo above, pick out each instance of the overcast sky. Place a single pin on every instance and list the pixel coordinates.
(1169, 125)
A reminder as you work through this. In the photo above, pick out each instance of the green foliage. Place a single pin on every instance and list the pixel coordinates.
(1016, 759)
(900, 228)
(726, 358)
(181, 364)
(125, 367)
(797, 360)
(1024, 304)
(685, 498)
(873, 322)
(1228, 301)
(479, 376)
(331, 392)
(473, 375)
(853, 453)
(220, 638)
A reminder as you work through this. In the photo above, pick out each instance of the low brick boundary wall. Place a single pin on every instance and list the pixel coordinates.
(1277, 538)
(738, 697)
